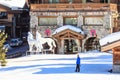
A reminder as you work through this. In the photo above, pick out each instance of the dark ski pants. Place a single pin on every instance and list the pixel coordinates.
(77, 68)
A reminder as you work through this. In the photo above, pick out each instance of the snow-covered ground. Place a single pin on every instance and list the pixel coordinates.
(94, 66)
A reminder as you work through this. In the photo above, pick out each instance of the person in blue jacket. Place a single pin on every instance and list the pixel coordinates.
(77, 64)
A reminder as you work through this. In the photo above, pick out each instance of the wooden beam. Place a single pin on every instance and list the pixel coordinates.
(78, 34)
(68, 34)
(110, 46)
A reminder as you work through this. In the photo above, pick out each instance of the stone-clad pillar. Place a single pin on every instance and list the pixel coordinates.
(33, 20)
(61, 50)
(78, 45)
(80, 20)
(60, 20)
(107, 21)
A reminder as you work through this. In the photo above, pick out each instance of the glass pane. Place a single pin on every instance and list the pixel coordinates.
(53, 1)
(70, 0)
(50, 1)
(70, 21)
(94, 20)
(47, 21)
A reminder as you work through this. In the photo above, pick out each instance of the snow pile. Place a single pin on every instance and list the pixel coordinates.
(110, 38)
(76, 29)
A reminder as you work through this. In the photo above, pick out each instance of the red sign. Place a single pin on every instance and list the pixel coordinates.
(93, 33)
(48, 32)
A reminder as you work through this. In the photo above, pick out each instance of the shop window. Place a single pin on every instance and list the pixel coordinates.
(103, 1)
(53, 1)
(93, 21)
(89, 1)
(70, 21)
(70, 46)
(47, 21)
(70, 1)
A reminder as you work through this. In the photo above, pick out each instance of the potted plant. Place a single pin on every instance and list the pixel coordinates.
(3, 50)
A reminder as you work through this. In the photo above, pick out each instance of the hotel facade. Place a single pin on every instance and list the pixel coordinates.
(97, 18)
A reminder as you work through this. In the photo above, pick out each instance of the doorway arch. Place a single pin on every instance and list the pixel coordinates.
(92, 43)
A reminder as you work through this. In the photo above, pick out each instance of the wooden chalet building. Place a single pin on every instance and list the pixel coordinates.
(15, 20)
(97, 18)
(110, 43)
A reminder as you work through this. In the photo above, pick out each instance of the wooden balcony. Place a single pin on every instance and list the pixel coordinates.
(73, 7)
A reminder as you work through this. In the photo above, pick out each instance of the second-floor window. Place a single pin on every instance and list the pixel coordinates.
(47, 21)
(89, 0)
(53, 1)
(70, 21)
(93, 21)
(104, 1)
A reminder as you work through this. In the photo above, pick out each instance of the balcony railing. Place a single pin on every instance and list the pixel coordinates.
(63, 7)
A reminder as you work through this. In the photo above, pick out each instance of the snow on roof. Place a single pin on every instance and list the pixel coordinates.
(110, 38)
(13, 3)
(76, 29)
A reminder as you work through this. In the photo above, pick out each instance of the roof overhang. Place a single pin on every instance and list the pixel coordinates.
(68, 34)
(110, 46)
(4, 8)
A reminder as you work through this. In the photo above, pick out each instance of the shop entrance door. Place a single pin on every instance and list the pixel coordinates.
(70, 46)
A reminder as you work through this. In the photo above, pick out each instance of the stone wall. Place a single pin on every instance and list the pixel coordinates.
(101, 30)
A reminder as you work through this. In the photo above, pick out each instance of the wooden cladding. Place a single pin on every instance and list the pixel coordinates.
(68, 34)
(62, 7)
(110, 46)
(116, 56)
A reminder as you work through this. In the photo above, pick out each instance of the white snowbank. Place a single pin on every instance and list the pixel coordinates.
(76, 29)
(110, 38)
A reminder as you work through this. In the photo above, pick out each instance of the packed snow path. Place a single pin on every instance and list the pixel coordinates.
(94, 66)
